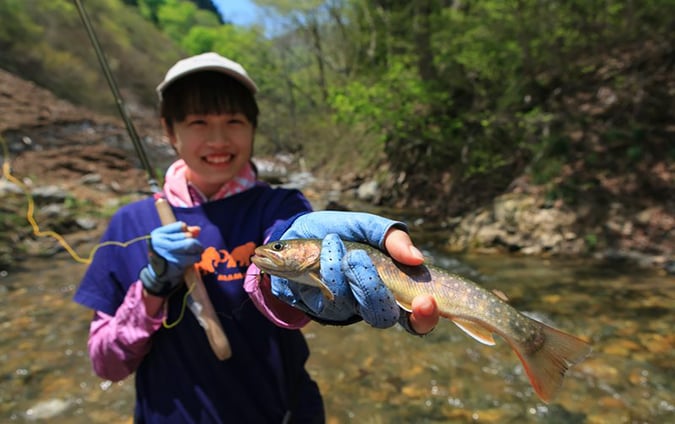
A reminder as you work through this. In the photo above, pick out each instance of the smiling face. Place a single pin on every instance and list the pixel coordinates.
(210, 120)
(215, 148)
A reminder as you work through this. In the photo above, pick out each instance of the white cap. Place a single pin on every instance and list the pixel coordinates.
(207, 62)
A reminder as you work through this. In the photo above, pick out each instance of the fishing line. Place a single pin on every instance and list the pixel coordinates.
(183, 307)
(30, 216)
(217, 337)
(37, 232)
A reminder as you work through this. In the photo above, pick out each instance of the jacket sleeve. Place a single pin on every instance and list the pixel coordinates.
(280, 313)
(285, 208)
(118, 343)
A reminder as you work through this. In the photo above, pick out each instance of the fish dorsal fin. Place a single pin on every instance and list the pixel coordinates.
(322, 286)
(476, 331)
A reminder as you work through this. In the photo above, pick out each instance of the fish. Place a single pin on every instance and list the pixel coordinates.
(545, 352)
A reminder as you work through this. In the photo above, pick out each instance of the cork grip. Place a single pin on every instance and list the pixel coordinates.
(205, 313)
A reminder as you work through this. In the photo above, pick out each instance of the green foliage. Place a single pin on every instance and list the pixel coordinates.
(51, 48)
(591, 241)
(495, 65)
(200, 40)
(176, 17)
(466, 88)
(17, 25)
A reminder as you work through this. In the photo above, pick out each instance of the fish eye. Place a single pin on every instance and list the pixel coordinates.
(277, 246)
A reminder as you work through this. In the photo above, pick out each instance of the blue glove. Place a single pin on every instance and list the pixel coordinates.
(357, 288)
(170, 252)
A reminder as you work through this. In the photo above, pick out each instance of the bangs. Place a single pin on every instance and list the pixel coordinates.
(206, 93)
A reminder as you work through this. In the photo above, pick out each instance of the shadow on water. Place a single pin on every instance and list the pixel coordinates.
(382, 376)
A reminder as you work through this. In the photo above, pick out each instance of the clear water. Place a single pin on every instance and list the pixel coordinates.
(383, 376)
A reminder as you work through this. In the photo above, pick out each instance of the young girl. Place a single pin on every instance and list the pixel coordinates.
(209, 115)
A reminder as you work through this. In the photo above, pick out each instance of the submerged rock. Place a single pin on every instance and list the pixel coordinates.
(47, 409)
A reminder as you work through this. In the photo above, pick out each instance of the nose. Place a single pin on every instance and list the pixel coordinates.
(218, 134)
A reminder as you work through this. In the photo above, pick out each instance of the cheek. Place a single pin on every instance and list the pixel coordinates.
(177, 141)
(245, 143)
(176, 146)
(251, 139)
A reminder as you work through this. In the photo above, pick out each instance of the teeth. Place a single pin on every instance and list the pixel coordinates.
(218, 159)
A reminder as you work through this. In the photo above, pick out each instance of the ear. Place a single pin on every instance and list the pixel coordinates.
(168, 132)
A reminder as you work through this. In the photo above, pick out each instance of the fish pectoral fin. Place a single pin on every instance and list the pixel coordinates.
(323, 287)
(406, 307)
(500, 294)
(476, 331)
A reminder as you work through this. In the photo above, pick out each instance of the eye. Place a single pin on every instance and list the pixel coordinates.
(194, 119)
(277, 246)
(238, 119)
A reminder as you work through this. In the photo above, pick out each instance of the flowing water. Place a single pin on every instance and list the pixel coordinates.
(383, 376)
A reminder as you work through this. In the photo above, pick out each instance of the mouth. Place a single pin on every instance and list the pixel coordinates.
(218, 159)
(266, 263)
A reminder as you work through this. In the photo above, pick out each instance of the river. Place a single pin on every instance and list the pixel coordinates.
(383, 376)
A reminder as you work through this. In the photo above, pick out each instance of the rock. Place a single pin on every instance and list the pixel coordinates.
(518, 223)
(299, 180)
(273, 170)
(52, 211)
(86, 223)
(7, 187)
(369, 192)
(47, 409)
(488, 235)
(49, 194)
(91, 179)
(669, 266)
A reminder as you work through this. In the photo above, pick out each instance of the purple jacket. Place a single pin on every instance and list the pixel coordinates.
(178, 378)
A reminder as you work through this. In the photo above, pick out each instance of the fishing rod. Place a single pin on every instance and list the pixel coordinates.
(198, 300)
(131, 129)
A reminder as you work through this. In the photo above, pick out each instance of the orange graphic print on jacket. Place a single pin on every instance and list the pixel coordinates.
(226, 264)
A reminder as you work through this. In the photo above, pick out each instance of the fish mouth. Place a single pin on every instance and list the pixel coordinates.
(266, 262)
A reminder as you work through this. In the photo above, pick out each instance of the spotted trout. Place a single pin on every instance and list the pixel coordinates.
(546, 353)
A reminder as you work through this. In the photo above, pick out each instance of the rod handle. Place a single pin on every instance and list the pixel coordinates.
(207, 315)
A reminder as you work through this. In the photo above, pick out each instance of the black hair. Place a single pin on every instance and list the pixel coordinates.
(207, 92)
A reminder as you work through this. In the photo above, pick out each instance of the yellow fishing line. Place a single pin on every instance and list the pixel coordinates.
(182, 309)
(30, 217)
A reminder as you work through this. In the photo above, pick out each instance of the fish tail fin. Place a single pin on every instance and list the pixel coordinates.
(546, 367)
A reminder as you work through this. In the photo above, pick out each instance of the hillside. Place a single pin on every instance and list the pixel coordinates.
(77, 165)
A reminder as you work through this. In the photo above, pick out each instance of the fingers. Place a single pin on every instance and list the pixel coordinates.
(281, 289)
(425, 314)
(176, 229)
(332, 252)
(193, 231)
(376, 303)
(176, 243)
(400, 247)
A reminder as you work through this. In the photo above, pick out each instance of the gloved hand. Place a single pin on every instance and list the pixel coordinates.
(171, 250)
(358, 289)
